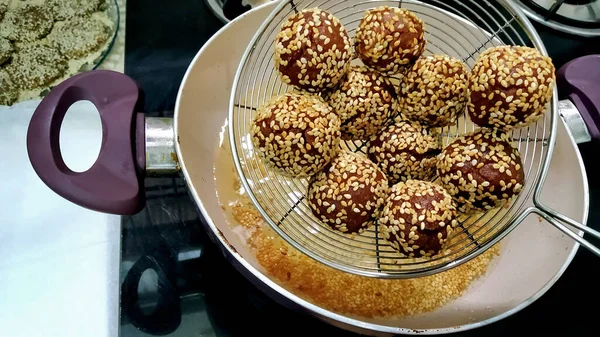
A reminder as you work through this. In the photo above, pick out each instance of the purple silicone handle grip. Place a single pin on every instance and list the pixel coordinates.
(579, 81)
(113, 183)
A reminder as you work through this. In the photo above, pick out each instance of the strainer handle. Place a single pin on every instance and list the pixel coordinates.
(559, 220)
(580, 109)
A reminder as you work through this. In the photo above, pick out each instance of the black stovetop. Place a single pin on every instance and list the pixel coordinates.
(198, 292)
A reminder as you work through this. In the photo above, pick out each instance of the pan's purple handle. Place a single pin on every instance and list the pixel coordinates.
(579, 81)
(113, 183)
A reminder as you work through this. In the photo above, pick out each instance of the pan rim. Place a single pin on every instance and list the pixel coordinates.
(313, 308)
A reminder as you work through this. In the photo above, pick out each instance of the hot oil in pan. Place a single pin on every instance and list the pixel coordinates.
(321, 285)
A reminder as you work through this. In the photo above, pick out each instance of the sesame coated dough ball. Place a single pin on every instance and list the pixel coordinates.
(417, 218)
(349, 193)
(364, 101)
(312, 50)
(389, 38)
(481, 170)
(405, 150)
(26, 23)
(434, 90)
(296, 133)
(510, 87)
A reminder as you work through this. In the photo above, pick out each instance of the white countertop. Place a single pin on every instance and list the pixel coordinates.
(59, 272)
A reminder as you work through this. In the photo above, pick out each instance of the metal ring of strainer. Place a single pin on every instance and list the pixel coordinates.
(461, 29)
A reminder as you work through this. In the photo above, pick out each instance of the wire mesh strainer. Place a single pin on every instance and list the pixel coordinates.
(461, 29)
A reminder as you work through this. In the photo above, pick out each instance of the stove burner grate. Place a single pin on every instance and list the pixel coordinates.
(579, 17)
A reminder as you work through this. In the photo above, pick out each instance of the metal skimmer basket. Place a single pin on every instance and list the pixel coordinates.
(461, 29)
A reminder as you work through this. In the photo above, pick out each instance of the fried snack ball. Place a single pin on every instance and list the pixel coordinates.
(349, 193)
(417, 218)
(364, 100)
(405, 150)
(312, 50)
(389, 38)
(510, 87)
(434, 91)
(296, 133)
(481, 170)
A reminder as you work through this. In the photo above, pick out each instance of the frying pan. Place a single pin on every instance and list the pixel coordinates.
(133, 146)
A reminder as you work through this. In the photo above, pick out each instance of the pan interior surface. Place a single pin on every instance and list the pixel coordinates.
(531, 257)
